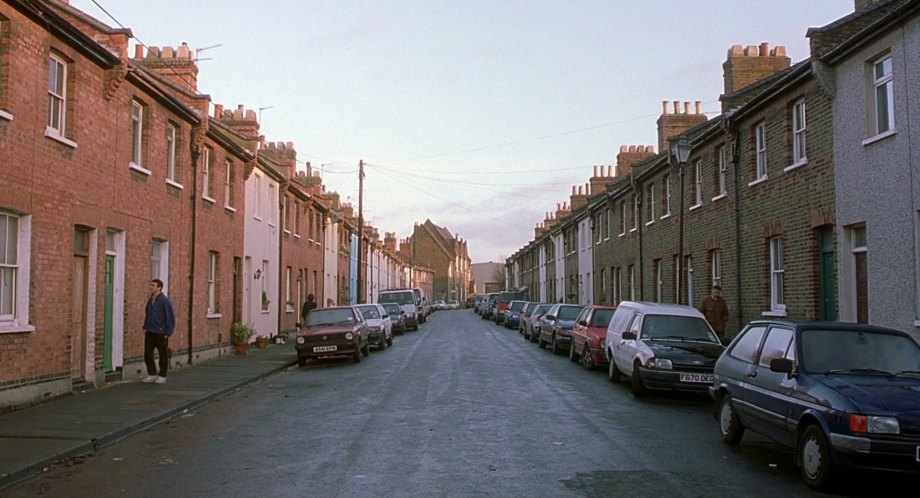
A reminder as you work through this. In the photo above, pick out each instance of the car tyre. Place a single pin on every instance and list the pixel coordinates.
(613, 373)
(366, 350)
(729, 425)
(356, 357)
(383, 342)
(554, 346)
(636, 386)
(390, 340)
(815, 461)
(301, 361)
(586, 360)
(540, 342)
(572, 356)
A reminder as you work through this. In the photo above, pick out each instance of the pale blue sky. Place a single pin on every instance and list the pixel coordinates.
(480, 115)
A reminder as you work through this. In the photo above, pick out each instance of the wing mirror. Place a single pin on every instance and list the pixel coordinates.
(583, 323)
(629, 336)
(782, 365)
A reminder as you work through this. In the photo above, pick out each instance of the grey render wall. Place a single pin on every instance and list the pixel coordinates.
(878, 182)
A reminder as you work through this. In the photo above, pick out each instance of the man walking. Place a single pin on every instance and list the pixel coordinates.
(715, 309)
(308, 305)
(159, 324)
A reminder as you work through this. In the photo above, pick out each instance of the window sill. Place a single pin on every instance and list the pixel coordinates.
(719, 197)
(54, 135)
(214, 316)
(289, 309)
(257, 217)
(230, 209)
(296, 235)
(5, 115)
(287, 232)
(631, 230)
(649, 223)
(757, 181)
(174, 184)
(208, 199)
(665, 216)
(139, 168)
(622, 235)
(775, 313)
(694, 207)
(880, 136)
(797, 165)
(13, 328)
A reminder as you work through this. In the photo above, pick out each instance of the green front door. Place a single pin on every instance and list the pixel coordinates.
(827, 272)
(109, 301)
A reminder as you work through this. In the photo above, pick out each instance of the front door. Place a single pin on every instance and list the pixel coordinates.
(827, 292)
(108, 318)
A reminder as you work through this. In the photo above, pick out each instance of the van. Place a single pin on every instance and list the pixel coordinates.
(661, 346)
(406, 300)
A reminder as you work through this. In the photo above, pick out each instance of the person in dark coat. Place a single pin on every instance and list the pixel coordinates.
(159, 324)
(308, 305)
(715, 309)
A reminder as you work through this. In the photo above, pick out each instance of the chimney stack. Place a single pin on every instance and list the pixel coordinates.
(745, 66)
(672, 125)
(175, 64)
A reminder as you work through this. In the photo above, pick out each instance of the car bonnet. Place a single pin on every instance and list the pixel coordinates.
(879, 395)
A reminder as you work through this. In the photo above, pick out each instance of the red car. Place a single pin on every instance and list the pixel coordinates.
(337, 331)
(589, 334)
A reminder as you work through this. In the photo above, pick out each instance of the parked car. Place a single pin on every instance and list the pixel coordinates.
(525, 315)
(844, 396)
(513, 314)
(501, 304)
(379, 325)
(397, 317)
(336, 331)
(406, 299)
(589, 334)
(535, 320)
(661, 346)
(453, 304)
(556, 326)
(488, 308)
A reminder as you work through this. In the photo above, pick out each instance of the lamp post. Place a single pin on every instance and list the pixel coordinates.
(680, 150)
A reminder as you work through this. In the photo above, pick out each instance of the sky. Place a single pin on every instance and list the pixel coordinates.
(479, 115)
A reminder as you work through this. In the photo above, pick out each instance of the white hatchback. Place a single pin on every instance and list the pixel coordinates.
(379, 325)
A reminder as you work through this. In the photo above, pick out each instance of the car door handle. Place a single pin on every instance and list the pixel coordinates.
(752, 374)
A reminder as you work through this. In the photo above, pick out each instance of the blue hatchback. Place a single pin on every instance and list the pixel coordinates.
(843, 395)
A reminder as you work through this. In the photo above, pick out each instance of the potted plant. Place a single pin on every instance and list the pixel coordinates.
(261, 341)
(240, 335)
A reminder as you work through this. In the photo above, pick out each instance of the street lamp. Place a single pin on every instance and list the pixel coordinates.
(680, 150)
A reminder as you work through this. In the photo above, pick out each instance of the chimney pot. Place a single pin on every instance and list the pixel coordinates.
(664, 107)
(138, 51)
(676, 107)
(699, 107)
(764, 49)
(687, 108)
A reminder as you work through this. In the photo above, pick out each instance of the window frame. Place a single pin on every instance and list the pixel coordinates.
(213, 308)
(228, 185)
(666, 195)
(17, 239)
(760, 152)
(884, 82)
(172, 167)
(799, 138)
(137, 136)
(721, 167)
(207, 174)
(650, 202)
(57, 94)
(697, 184)
(777, 276)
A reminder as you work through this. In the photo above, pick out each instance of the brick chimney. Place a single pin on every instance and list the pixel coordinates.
(673, 124)
(242, 121)
(602, 176)
(632, 154)
(405, 247)
(579, 195)
(748, 65)
(175, 64)
(562, 210)
(389, 241)
(284, 154)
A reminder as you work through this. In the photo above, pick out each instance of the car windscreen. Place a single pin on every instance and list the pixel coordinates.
(542, 309)
(517, 305)
(392, 308)
(601, 318)
(569, 312)
(677, 328)
(406, 297)
(369, 312)
(857, 351)
(330, 316)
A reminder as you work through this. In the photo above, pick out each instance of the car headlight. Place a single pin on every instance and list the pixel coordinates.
(659, 363)
(349, 336)
(603, 343)
(301, 340)
(871, 424)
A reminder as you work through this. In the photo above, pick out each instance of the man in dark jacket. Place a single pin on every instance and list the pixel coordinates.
(308, 305)
(715, 309)
(159, 324)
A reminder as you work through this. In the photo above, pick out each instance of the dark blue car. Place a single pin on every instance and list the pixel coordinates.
(843, 395)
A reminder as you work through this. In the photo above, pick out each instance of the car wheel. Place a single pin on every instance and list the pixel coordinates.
(729, 425)
(301, 361)
(540, 342)
(356, 357)
(383, 343)
(815, 459)
(390, 340)
(636, 386)
(366, 350)
(572, 357)
(586, 360)
(613, 373)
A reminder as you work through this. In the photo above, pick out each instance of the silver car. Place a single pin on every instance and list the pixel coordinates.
(379, 325)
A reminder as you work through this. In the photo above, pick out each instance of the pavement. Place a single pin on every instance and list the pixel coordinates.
(34, 439)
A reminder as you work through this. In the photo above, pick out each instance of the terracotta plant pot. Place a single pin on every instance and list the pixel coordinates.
(242, 347)
(261, 342)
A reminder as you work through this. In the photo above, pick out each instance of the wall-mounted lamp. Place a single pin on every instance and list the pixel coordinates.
(257, 274)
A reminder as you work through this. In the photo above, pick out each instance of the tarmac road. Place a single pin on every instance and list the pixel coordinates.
(462, 407)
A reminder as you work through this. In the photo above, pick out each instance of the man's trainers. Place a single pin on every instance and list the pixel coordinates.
(160, 380)
(149, 379)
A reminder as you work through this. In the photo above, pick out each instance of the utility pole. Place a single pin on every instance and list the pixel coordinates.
(360, 298)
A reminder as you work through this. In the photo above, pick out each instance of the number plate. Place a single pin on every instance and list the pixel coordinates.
(695, 378)
(324, 349)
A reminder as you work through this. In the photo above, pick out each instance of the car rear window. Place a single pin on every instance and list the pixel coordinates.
(517, 305)
(676, 327)
(849, 350)
(406, 297)
(569, 312)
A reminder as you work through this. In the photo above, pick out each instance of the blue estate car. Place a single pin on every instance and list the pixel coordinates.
(843, 395)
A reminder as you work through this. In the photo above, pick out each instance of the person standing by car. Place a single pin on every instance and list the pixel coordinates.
(308, 305)
(715, 309)
(159, 324)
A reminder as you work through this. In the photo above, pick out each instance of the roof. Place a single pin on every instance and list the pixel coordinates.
(661, 308)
